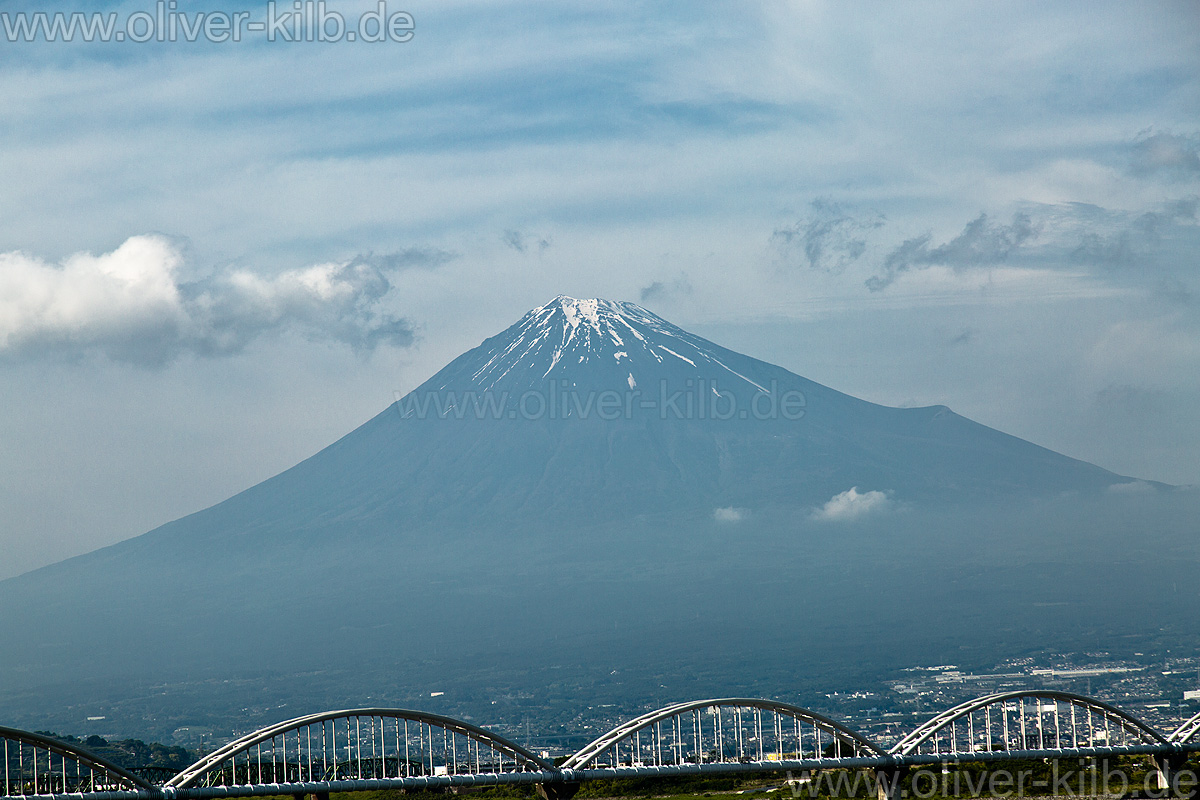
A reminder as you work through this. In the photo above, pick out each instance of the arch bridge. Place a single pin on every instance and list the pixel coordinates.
(723, 731)
(361, 748)
(1024, 724)
(381, 748)
(38, 765)
(1187, 732)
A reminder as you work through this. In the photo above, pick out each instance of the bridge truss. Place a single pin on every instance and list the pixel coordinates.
(37, 765)
(729, 730)
(375, 745)
(1029, 722)
(381, 748)
(1186, 732)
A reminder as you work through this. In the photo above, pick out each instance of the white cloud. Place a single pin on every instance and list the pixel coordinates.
(852, 504)
(1175, 155)
(130, 305)
(729, 514)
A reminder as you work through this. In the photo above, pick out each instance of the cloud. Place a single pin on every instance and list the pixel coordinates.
(130, 305)
(729, 514)
(521, 242)
(658, 291)
(852, 505)
(912, 251)
(1176, 157)
(408, 258)
(965, 336)
(1134, 242)
(828, 240)
(980, 244)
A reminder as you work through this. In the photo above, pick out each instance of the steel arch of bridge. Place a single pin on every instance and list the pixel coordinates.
(1187, 731)
(947, 721)
(522, 759)
(683, 738)
(24, 769)
(857, 743)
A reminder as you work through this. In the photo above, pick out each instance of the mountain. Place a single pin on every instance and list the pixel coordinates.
(593, 480)
(664, 419)
(603, 409)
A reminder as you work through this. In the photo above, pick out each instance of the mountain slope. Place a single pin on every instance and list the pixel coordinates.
(607, 410)
(581, 455)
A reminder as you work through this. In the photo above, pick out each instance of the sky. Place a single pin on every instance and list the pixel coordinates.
(218, 257)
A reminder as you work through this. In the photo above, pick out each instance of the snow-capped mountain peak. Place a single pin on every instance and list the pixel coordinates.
(614, 320)
(598, 344)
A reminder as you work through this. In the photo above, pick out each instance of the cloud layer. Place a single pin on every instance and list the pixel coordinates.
(131, 305)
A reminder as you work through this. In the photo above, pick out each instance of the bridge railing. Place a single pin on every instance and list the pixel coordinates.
(1028, 721)
(373, 748)
(1187, 732)
(35, 764)
(727, 730)
(369, 744)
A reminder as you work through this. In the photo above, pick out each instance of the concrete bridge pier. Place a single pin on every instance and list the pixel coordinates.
(555, 791)
(889, 782)
(1167, 768)
(806, 782)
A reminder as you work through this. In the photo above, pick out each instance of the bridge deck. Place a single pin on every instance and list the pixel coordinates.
(376, 749)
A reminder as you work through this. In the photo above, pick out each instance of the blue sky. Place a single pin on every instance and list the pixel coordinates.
(217, 258)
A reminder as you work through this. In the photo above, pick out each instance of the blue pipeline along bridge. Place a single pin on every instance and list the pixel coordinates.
(387, 748)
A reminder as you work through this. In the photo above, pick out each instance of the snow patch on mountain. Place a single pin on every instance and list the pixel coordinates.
(554, 340)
